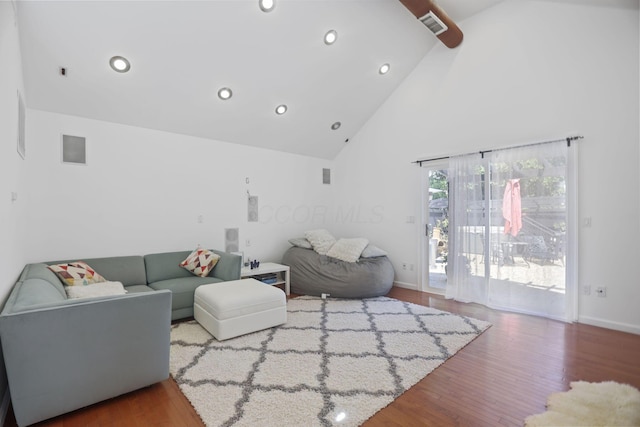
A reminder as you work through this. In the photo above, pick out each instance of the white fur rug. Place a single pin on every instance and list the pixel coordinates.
(591, 404)
(335, 362)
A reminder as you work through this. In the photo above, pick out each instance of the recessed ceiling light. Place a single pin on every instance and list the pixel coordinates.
(267, 5)
(281, 109)
(119, 64)
(225, 93)
(384, 68)
(336, 126)
(330, 37)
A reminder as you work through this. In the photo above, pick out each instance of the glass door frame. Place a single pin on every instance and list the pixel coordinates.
(424, 234)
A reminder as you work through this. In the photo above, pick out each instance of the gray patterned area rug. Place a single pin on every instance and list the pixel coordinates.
(335, 362)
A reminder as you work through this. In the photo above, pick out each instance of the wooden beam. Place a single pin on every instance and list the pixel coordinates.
(453, 36)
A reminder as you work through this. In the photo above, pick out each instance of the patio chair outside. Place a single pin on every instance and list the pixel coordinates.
(537, 249)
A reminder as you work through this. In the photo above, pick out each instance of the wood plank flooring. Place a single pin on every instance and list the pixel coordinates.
(498, 379)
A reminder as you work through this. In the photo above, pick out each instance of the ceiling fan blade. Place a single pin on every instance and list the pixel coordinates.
(451, 36)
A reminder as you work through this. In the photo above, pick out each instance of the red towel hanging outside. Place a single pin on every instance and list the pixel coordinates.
(512, 207)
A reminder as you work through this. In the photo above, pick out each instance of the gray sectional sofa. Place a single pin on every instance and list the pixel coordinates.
(64, 354)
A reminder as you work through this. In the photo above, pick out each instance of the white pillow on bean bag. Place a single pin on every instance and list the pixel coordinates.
(372, 252)
(348, 250)
(321, 240)
(301, 242)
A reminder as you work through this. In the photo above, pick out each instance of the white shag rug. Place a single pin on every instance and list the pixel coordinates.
(335, 362)
(591, 404)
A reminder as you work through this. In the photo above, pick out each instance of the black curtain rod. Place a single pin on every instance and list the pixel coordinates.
(568, 139)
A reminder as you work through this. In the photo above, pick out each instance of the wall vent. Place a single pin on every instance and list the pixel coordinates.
(252, 209)
(326, 176)
(74, 150)
(231, 240)
(433, 23)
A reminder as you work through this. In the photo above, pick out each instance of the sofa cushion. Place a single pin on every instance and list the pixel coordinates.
(182, 289)
(32, 292)
(163, 266)
(138, 288)
(126, 269)
(129, 270)
(41, 271)
(200, 262)
(77, 273)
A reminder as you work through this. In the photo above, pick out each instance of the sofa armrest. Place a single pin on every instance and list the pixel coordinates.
(66, 357)
(228, 266)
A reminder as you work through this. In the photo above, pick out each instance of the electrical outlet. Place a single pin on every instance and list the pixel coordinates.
(404, 265)
(586, 290)
(410, 267)
(601, 291)
(248, 243)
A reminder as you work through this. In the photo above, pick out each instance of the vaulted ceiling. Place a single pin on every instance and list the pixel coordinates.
(183, 52)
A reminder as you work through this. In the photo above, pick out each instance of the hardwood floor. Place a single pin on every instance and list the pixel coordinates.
(498, 379)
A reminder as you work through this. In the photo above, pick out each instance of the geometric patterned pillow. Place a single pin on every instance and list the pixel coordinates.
(200, 262)
(76, 273)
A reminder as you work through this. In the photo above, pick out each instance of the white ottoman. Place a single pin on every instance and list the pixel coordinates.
(238, 307)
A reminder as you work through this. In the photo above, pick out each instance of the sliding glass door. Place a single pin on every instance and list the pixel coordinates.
(508, 233)
(435, 226)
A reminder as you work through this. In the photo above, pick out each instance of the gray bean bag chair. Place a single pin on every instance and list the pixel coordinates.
(315, 274)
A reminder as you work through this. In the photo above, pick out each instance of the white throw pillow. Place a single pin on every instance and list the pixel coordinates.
(373, 252)
(348, 250)
(321, 240)
(301, 242)
(101, 289)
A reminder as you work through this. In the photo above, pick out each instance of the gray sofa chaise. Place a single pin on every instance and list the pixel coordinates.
(64, 354)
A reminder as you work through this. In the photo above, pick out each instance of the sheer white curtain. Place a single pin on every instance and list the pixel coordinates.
(509, 230)
(465, 276)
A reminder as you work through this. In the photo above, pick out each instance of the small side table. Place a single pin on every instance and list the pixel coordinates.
(267, 268)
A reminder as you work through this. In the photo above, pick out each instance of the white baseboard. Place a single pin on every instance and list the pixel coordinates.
(404, 285)
(4, 407)
(624, 327)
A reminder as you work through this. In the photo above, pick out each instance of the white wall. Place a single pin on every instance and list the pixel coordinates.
(12, 170)
(142, 191)
(12, 166)
(527, 71)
